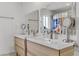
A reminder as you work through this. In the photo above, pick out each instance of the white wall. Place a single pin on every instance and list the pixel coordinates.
(14, 10)
(6, 38)
(77, 22)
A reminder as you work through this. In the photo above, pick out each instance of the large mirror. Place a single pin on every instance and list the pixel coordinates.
(45, 20)
(53, 20)
(33, 22)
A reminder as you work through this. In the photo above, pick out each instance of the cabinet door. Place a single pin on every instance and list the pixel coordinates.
(40, 50)
(67, 51)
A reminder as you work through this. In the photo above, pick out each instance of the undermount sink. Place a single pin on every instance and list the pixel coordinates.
(49, 41)
(68, 41)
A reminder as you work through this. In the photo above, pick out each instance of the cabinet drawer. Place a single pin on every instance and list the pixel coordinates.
(20, 45)
(20, 42)
(20, 51)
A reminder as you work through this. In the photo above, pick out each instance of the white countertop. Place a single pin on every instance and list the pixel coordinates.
(54, 43)
(21, 36)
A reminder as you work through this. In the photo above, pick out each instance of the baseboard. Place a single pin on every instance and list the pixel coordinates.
(9, 54)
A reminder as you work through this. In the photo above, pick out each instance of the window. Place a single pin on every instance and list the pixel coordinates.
(46, 22)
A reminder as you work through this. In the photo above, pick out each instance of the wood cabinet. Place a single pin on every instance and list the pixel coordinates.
(20, 45)
(30, 48)
(40, 50)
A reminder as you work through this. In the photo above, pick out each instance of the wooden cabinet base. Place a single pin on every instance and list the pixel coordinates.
(34, 49)
(29, 48)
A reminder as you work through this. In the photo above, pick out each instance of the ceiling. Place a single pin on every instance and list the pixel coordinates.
(58, 5)
(31, 6)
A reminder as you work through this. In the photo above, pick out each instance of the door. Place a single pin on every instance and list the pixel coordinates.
(7, 28)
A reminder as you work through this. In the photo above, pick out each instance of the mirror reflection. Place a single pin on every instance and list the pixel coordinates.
(53, 22)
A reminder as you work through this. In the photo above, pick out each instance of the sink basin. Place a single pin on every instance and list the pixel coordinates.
(68, 41)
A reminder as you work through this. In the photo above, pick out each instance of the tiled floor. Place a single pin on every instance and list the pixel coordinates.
(9, 54)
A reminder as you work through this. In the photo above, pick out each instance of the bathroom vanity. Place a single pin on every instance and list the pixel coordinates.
(38, 46)
(50, 33)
